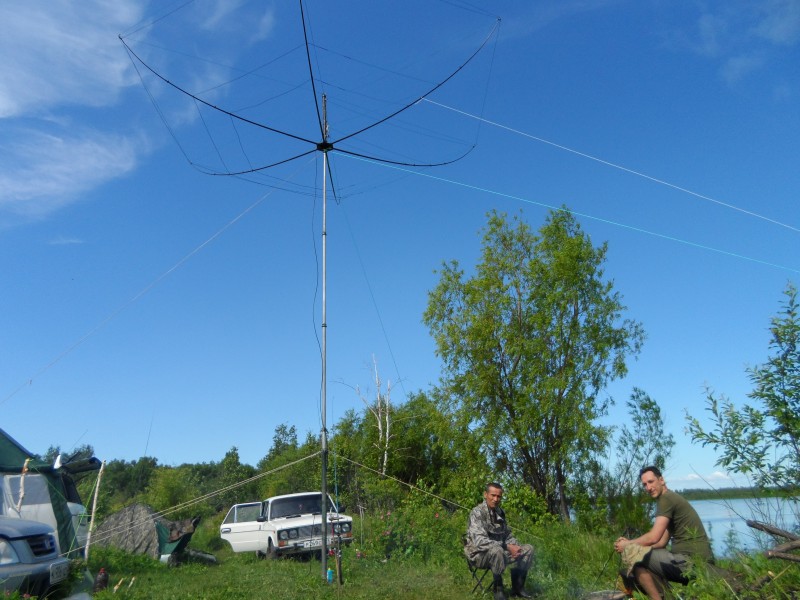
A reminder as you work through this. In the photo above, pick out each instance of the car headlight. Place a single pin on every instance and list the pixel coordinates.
(8, 556)
(293, 534)
(284, 535)
(341, 527)
(346, 527)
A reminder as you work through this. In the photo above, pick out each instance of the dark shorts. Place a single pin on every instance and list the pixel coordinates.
(672, 567)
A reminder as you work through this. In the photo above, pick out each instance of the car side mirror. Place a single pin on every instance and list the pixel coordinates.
(342, 508)
(261, 519)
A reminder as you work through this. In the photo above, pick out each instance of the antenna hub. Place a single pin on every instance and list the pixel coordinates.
(324, 146)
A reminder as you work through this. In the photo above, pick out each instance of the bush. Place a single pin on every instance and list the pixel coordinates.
(206, 537)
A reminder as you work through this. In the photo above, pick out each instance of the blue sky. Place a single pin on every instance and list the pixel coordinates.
(150, 307)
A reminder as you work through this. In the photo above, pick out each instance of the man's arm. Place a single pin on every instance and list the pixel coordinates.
(662, 543)
(657, 537)
(477, 534)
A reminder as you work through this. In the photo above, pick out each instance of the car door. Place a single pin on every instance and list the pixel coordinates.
(242, 528)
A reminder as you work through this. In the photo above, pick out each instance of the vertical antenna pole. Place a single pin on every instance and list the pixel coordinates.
(324, 432)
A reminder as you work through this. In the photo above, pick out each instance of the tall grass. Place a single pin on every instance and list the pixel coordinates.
(409, 553)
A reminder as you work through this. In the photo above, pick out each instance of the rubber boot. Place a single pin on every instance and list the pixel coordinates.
(518, 583)
(499, 594)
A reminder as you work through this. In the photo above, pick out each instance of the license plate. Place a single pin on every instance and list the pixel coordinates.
(59, 572)
(312, 543)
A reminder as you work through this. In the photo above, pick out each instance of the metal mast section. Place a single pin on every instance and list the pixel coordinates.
(324, 146)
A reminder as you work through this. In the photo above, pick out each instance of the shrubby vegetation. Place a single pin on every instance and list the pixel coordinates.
(529, 343)
(762, 440)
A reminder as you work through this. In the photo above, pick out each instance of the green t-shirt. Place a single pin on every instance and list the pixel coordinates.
(685, 527)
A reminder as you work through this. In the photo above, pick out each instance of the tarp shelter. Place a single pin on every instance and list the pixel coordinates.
(138, 529)
(40, 492)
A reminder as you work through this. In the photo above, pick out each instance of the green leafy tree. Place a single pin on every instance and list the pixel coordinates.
(762, 440)
(615, 498)
(287, 464)
(123, 482)
(84, 451)
(233, 478)
(428, 449)
(528, 344)
(173, 492)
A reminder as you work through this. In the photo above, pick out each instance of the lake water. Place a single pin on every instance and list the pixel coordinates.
(724, 519)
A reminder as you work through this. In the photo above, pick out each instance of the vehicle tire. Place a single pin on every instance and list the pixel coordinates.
(260, 555)
(272, 554)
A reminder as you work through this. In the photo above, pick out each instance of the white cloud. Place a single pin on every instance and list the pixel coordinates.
(218, 12)
(62, 74)
(780, 23)
(737, 68)
(44, 171)
(65, 241)
(57, 53)
(699, 480)
(711, 29)
(265, 26)
(743, 36)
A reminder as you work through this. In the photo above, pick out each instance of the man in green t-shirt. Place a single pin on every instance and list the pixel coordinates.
(675, 520)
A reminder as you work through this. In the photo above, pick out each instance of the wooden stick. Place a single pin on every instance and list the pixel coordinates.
(793, 545)
(773, 530)
(783, 555)
(94, 511)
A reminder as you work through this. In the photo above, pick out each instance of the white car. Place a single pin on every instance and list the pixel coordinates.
(283, 525)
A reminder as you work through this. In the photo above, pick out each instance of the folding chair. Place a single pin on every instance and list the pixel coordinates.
(478, 573)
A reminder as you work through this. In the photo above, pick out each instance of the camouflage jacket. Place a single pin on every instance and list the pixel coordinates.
(484, 531)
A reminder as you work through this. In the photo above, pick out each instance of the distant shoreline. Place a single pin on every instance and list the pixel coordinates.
(735, 493)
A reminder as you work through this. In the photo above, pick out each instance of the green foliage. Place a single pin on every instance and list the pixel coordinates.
(610, 500)
(172, 491)
(83, 451)
(233, 478)
(417, 528)
(524, 507)
(738, 492)
(122, 483)
(420, 557)
(118, 561)
(761, 440)
(285, 477)
(427, 444)
(206, 536)
(527, 344)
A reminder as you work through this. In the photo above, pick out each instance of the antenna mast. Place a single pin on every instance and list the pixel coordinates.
(324, 146)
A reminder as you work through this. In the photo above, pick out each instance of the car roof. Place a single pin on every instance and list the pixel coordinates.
(292, 496)
(17, 528)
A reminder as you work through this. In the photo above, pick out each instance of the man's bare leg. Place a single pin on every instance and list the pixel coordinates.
(648, 582)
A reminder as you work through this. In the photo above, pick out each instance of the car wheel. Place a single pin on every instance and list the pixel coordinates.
(260, 555)
(272, 554)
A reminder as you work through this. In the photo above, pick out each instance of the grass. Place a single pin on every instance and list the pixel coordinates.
(245, 577)
(410, 556)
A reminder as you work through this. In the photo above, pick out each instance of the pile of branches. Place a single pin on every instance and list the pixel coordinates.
(783, 550)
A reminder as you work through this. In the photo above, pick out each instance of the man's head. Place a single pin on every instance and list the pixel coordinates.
(652, 481)
(493, 494)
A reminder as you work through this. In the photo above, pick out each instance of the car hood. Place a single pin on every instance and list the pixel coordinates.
(11, 528)
(304, 520)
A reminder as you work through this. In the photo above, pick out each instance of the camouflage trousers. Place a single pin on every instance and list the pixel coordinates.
(496, 559)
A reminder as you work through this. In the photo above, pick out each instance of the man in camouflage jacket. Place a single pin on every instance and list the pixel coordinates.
(490, 544)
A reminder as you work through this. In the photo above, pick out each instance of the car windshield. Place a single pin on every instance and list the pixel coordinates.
(295, 506)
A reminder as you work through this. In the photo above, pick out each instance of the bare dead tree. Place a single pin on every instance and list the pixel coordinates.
(381, 409)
